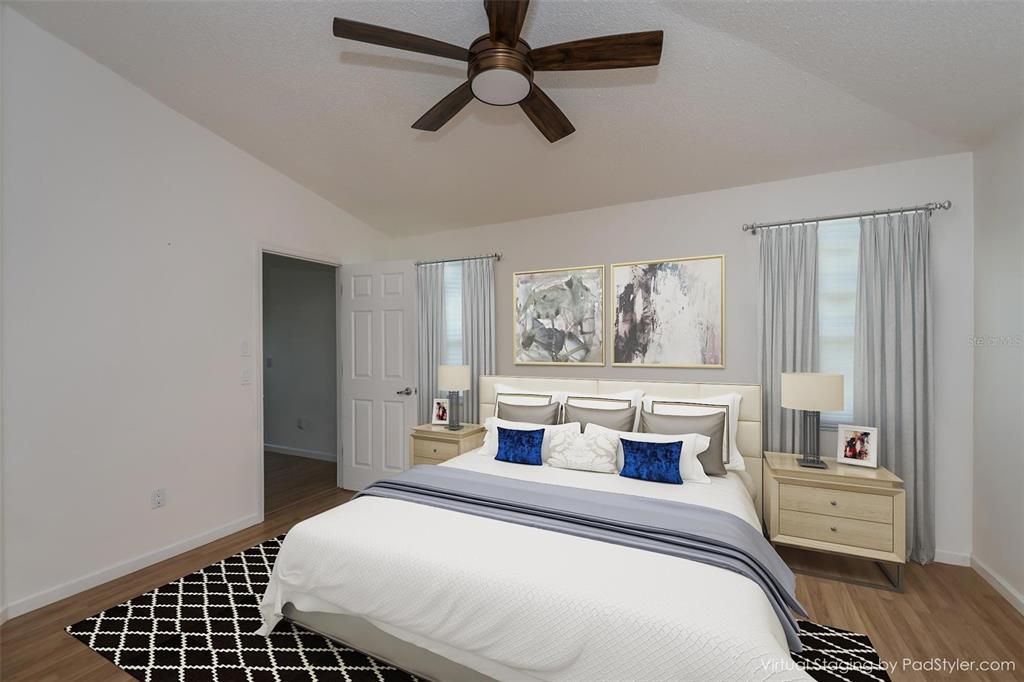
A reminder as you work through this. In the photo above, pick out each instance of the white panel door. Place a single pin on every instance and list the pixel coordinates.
(378, 354)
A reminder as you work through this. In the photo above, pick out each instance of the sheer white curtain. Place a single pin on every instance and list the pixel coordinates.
(893, 361)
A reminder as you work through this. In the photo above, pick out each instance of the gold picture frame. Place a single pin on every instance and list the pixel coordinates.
(718, 344)
(583, 337)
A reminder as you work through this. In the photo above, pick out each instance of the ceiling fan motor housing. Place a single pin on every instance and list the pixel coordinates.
(499, 75)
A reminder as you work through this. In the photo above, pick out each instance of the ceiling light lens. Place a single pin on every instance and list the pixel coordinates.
(500, 87)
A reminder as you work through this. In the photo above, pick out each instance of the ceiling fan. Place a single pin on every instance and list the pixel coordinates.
(501, 64)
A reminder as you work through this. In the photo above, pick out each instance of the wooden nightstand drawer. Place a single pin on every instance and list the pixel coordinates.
(434, 449)
(841, 531)
(426, 460)
(843, 503)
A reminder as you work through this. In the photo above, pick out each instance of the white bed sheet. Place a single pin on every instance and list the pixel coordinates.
(518, 603)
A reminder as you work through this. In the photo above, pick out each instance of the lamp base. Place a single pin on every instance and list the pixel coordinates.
(811, 459)
(453, 411)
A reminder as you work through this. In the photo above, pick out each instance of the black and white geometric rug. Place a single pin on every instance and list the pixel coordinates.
(200, 629)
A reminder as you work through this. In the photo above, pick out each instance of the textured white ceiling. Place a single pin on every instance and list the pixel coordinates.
(745, 93)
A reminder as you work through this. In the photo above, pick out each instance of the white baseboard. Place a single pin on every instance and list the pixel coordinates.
(1001, 585)
(300, 452)
(40, 599)
(955, 558)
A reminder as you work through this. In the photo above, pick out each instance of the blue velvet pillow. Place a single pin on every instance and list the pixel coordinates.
(658, 462)
(520, 447)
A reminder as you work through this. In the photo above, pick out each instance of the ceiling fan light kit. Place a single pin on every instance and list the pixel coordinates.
(501, 65)
(499, 75)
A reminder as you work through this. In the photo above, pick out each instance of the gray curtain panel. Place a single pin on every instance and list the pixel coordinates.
(478, 333)
(788, 329)
(430, 332)
(893, 361)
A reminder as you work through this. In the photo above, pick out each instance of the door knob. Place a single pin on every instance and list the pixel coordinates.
(405, 391)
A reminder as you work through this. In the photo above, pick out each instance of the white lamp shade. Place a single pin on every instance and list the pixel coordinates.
(453, 377)
(812, 391)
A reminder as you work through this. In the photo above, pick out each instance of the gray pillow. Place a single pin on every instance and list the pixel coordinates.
(621, 419)
(533, 414)
(711, 425)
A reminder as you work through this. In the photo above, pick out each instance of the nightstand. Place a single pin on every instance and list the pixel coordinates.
(852, 511)
(435, 444)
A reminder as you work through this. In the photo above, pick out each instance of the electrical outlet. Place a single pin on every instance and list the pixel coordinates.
(159, 498)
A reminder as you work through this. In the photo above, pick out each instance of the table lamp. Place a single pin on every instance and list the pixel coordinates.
(815, 393)
(453, 378)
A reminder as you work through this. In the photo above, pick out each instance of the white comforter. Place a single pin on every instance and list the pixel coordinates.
(518, 603)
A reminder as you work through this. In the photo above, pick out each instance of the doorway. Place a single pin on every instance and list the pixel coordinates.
(300, 380)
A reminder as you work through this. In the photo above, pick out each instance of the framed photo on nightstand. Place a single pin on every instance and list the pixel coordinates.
(857, 445)
(439, 415)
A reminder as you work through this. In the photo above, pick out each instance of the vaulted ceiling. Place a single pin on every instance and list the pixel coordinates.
(746, 92)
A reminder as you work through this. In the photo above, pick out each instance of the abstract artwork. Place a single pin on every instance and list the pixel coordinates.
(559, 316)
(669, 313)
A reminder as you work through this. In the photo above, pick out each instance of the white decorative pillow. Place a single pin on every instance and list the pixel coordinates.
(595, 451)
(490, 446)
(690, 468)
(691, 406)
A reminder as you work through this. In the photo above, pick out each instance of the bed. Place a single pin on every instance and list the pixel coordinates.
(452, 596)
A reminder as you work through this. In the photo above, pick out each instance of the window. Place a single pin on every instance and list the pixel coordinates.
(838, 247)
(453, 313)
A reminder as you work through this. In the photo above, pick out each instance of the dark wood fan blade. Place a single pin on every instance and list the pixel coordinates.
(506, 19)
(622, 51)
(442, 112)
(548, 118)
(389, 37)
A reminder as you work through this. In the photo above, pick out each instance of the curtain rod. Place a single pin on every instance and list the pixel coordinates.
(495, 256)
(928, 208)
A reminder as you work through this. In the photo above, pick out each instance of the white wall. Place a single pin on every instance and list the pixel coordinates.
(129, 289)
(300, 342)
(709, 223)
(999, 361)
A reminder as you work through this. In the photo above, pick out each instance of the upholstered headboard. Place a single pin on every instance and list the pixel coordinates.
(748, 431)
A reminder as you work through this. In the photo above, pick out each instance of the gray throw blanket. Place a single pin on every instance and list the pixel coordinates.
(687, 531)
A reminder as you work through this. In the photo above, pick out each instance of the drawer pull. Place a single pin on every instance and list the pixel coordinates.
(833, 503)
(832, 528)
(435, 449)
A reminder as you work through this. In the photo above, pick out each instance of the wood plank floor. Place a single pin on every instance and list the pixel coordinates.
(945, 611)
(35, 648)
(288, 479)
